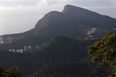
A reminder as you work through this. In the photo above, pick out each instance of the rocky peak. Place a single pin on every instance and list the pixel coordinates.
(53, 14)
(79, 12)
(89, 16)
(72, 15)
(72, 10)
(50, 17)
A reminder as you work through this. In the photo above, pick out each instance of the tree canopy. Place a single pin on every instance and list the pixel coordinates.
(10, 73)
(104, 52)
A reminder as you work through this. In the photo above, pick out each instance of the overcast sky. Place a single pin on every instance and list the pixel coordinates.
(17, 16)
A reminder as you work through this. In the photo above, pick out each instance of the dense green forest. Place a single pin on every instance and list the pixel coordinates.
(62, 57)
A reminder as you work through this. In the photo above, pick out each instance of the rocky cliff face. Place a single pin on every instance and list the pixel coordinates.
(50, 17)
(85, 30)
(89, 16)
(74, 20)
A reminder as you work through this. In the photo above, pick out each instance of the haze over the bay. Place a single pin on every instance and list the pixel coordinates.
(17, 16)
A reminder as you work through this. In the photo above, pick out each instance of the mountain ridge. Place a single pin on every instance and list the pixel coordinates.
(73, 22)
(71, 12)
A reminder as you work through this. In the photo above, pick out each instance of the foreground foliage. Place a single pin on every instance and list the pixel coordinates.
(104, 53)
(10, 73)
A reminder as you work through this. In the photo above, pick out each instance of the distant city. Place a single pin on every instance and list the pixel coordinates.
(8, 39)
(26, 48)
(12, 39)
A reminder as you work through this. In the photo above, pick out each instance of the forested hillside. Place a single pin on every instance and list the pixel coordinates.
(62, 54)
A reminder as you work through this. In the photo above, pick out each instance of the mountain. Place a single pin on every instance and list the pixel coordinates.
(89, 16)
(74, 22)
(72, 12)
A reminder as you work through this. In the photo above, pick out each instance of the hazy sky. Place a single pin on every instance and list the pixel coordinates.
(21, 15)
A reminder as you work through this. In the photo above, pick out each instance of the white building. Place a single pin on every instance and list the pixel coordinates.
(27, 48)
(19, 50)
(37, 46)
(30, 47)
(1, 40)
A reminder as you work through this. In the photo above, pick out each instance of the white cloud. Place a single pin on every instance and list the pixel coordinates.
(20, 6)
(42, 3)
(113, 2)
(17, 3)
